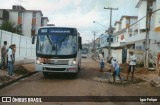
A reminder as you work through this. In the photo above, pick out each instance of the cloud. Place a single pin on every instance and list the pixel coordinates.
(78, 13)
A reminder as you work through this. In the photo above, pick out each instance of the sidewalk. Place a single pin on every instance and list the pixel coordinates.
(20, 71)
(151, 77)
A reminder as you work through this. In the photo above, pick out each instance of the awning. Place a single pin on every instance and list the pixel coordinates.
(157, 29)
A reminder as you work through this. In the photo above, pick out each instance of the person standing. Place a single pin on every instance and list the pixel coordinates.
(101, 59)
(14, 51)
(116, 67)
(132, 64)
(10, 60)
(3, 55)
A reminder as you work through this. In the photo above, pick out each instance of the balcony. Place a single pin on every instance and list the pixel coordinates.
(142, 36)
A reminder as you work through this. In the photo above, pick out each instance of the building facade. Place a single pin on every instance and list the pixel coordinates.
(27, 21)
(130, 33)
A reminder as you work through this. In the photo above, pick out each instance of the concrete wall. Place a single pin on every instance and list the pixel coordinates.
(118, 54)
(141, 13)
(157, 20)
(124, 23)
(25, 51)
(13, 16)
(27, 24)
(38, 21)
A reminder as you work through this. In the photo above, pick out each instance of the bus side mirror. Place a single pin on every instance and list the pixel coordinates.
(80, 42)
(33, 39)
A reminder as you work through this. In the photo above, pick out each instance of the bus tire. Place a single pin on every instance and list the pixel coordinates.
(73, 75)
(45, 74)
(79, 68)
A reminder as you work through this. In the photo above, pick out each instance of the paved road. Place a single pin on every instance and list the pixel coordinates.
(84, 85)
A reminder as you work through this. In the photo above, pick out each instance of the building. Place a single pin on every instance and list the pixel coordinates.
(122, 29)
(157, 16)
(28, 21)
(44, 21)
(4, 15)
(130, 32)
(138, 40)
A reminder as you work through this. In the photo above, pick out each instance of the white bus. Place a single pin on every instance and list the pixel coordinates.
(58, 50)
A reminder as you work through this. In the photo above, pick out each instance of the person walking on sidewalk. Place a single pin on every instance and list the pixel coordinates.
(116, 67)
(3, 55)
(14, 51)
(10, 60)
(101, 60)
(132, 64)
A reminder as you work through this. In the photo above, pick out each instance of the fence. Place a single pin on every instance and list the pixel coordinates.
(25, 50)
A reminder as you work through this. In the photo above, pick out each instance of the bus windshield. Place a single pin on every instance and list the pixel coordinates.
(56, 43)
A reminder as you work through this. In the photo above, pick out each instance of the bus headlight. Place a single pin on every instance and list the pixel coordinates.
(38, 61)
(74, 61)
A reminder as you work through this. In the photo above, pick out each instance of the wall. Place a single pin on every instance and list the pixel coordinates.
(118, 54)
(13, 16)
(141, 13)
(27, 23)
(157, 20)
(38, 21)
(25, 51)
(124, 23)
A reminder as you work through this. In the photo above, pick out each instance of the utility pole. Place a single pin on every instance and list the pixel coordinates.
(94, 44)
(148, 19)
(110, 31)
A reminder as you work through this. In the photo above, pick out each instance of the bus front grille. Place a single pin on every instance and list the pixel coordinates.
(54, 69)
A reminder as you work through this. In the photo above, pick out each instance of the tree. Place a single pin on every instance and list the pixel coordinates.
(10, 26)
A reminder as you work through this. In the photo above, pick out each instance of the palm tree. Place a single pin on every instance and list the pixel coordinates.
(9, 26)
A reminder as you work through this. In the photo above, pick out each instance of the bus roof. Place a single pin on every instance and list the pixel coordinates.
(56, 27)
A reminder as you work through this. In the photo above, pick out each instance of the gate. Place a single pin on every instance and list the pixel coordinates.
(124, 55)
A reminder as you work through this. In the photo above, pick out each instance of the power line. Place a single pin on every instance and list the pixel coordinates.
(142, 18)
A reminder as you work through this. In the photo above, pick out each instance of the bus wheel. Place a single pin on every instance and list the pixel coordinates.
(73, 75)
(45, 74)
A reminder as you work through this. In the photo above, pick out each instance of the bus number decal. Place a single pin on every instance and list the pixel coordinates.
(43, 30)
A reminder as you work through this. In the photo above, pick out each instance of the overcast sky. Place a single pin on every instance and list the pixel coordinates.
(78, 13)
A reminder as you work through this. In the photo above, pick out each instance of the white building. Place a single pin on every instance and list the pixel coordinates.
(135, 37)
(28, 21)
(122, 30)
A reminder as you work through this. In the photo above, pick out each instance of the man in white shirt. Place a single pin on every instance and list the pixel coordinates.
(132, 64)
(10, 60)
(116, 67)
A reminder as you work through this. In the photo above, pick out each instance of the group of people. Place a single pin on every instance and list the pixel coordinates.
(8, 57)
(116, 67)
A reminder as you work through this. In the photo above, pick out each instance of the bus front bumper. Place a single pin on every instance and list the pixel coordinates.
(56, 68)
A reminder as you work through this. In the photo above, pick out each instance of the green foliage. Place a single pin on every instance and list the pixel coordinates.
(9, 26)
(150, 64)
(141, 64)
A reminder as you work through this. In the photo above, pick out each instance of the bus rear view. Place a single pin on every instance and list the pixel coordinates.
(58, 50)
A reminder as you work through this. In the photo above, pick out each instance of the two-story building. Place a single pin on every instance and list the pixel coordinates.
(28, 21)
(122, 29)
(138, 41)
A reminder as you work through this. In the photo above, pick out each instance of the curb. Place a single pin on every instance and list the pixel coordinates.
(16, 79)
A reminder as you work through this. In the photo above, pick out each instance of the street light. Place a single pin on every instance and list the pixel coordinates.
(100, 24)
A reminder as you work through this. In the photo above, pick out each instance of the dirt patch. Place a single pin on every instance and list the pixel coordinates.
(4, 78)
(138, 70)
(20, 70)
